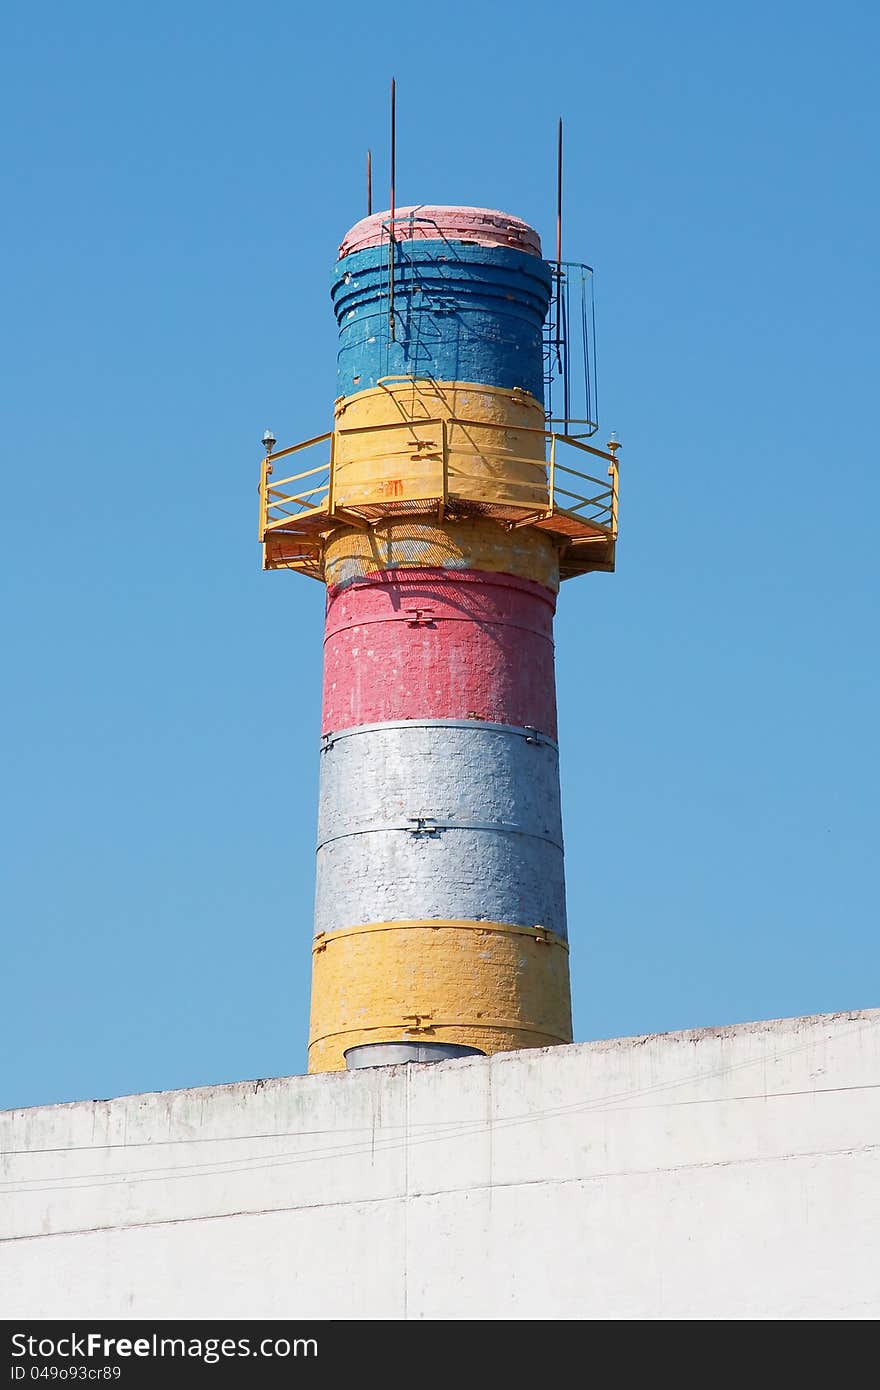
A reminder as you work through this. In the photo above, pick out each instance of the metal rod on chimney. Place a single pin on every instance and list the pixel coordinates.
(559, 194)
(369, 182)
(393, 152)
(391, 321)
(559, 247)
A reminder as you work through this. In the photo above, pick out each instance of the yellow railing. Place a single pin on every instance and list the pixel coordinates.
(276, 506)
(576, 495)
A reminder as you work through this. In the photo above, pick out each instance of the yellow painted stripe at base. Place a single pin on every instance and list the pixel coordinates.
(473, 543)
(489, 985)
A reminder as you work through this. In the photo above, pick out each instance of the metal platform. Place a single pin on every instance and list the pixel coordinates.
(577, 509)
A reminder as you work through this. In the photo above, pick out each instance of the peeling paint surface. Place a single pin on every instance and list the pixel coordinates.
(463, 313)
(459, 544)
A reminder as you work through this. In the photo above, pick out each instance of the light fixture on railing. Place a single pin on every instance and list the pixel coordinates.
(269, 441)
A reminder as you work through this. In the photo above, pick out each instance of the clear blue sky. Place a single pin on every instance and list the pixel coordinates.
(177, 178)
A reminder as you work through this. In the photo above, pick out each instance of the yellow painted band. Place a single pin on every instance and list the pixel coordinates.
(489, 985)
(402, 442)
(474, 543)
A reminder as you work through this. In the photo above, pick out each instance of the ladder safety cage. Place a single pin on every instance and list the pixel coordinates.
(570, 386)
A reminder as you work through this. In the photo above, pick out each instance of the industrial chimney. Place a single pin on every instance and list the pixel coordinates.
(441, 512)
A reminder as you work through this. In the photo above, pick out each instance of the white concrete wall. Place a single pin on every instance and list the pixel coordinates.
(729, 1173)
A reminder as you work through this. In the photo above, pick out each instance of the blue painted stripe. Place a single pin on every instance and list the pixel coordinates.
(461, 313)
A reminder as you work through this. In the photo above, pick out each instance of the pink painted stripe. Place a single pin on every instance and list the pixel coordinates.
(431, 644)
(483, 226)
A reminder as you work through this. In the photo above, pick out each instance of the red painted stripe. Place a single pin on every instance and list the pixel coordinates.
(435, 644)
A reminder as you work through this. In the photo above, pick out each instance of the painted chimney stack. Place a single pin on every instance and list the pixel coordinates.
(441, 512)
